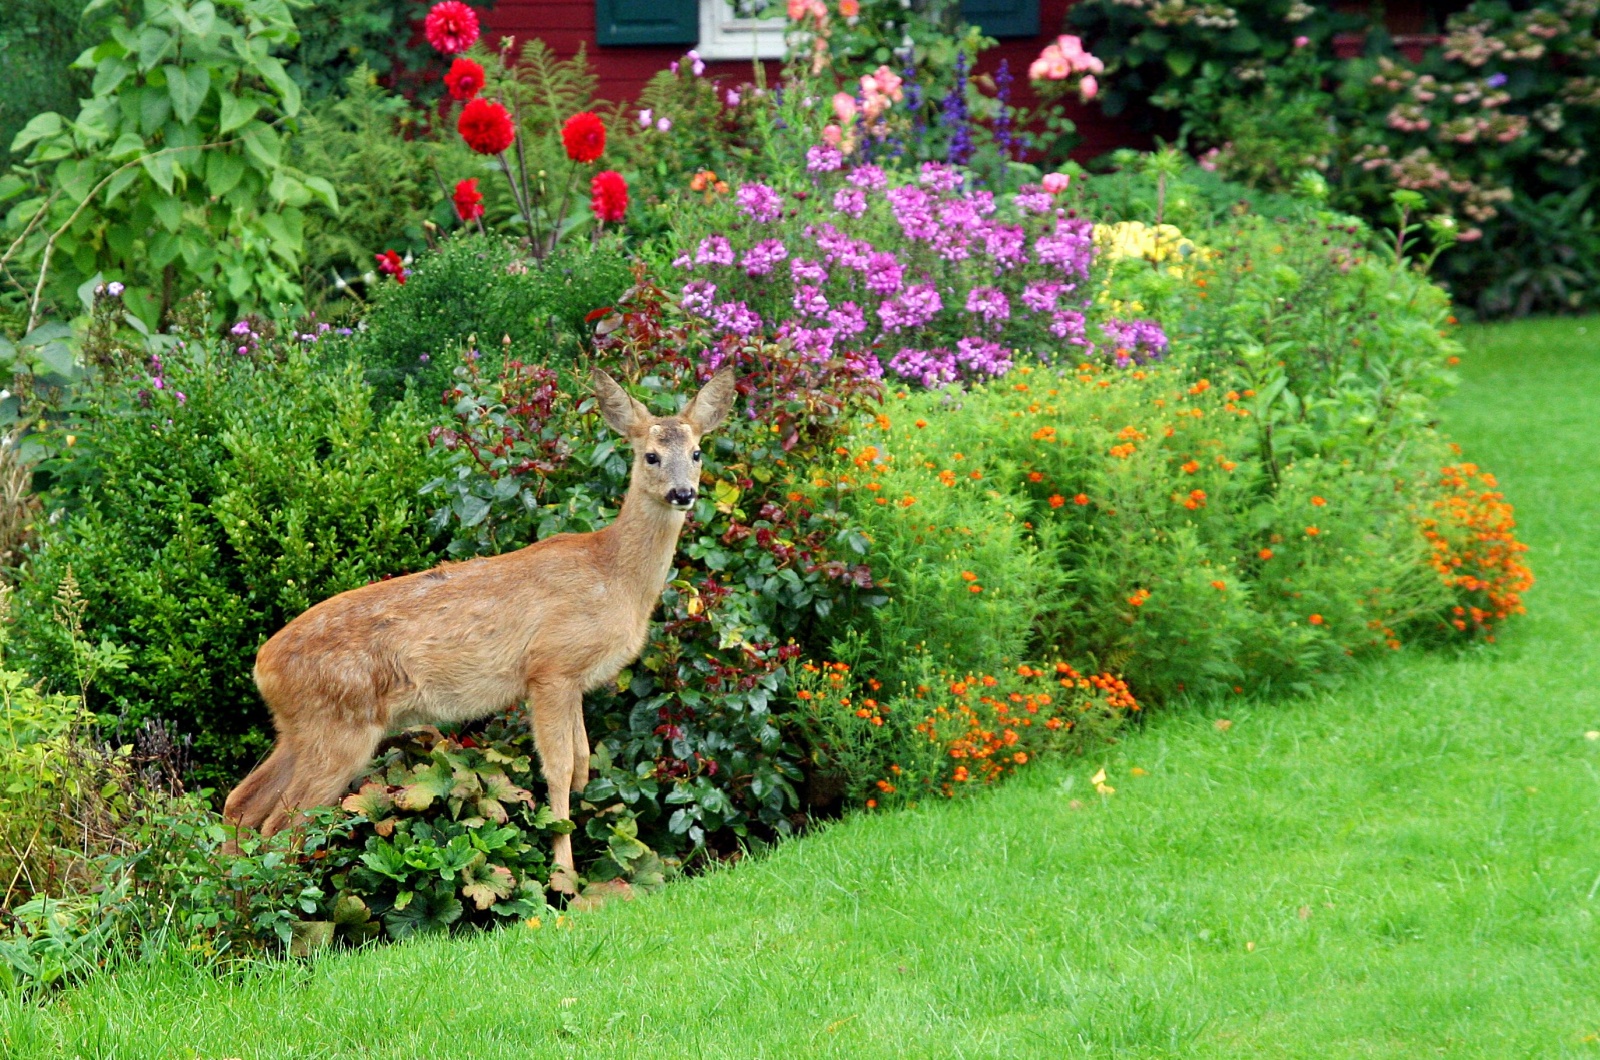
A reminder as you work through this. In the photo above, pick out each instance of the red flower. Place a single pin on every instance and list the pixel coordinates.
(390, 262)
(486, 126)
(464, 80)
(608, 196)
(584, 137)
(451, 26)
(468, 200)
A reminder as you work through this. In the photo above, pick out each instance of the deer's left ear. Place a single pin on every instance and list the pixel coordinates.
(710, 407)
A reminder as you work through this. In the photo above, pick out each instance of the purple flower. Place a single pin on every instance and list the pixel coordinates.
(1031, 198)
(1069, 324)
(1006, 245)
(115, 289)
(939, 177)
(928, 368)
(884, 274)
(1495, 80)
(810, 301)
(760, 202)
(867, 178)
(1070, 246)
(737, 318)
(863, 364)
(683, 261)
(815, 343)
(982, 357)
(241, 328)
(1041, 296)
(850, 201)
(759, 259)
(847, 319)
(1135, 341)
(990, 303)
(823, 159)
(714, 250)
(913, 309)
(803, 271)
(698, 296)
(913, 211)
(838, 247)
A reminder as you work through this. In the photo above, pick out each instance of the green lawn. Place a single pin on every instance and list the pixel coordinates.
(1408, 867)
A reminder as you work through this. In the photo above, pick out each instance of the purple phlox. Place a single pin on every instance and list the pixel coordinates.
(847, 319)
(115, 289)
(699, 66)
(805, 271)
(914, 308)
(1070, 324)
(241, 328)
(1496, 80)
(1070, 246)
(884, 273)
(851, 202)
(939, 177)
(982, 357)
(914, 212)
(1006, 245)
(714, 250)
(683, 261)
(1031, 198)
(863, 364)
(823, 158)
(1135, 341)
(759, 202)
(1040, 296)
(867, 178)
(927, 368)
(990, 303)
(737, 318)
(759, 259)
(698, 297)
(810, 301)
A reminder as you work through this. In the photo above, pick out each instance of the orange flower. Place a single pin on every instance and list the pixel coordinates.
(947, 477)
(1057, 500)
(795, 497)
(976, 475)
(872, 804)
(961, 773)
(1035, 476)
(1228, 465)
(921, 424)
(1139, 597)
(1081, 499)
(974, 588)
(1220, 586)
(1318, 502)
(1020, 758)
(907, 501)
(1265, 553)
(968, 576)
(1316, 620)
(1312, 531)
(1191, 467)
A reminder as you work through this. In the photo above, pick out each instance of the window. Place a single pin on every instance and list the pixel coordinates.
(733, 29)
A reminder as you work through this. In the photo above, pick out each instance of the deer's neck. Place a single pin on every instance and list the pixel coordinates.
(644, 539)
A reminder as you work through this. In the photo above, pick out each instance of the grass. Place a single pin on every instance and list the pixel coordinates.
(1409, 866)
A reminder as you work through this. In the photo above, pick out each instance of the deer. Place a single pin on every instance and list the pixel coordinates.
(543, 625)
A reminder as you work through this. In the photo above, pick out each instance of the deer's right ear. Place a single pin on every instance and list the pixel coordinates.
(621, 410)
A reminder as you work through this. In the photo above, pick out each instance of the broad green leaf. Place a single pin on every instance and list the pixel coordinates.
(119, 183)
(321, 187)
(159, 166)
(163, 248)
(154, 44)
(155, 106)
(263, 144)
(110, 73)
(12, 185)
(129, 145)
(372, 801)
(169, 212)
(86, 291)
(57, 357)
(204, 16)
(224, 168)
(1179, 62)
(273, 73)
(486, 883)
(188, 90)
(235, 111)
(39, 127)
(51, 331)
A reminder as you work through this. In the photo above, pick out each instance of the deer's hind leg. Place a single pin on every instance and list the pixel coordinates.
(252, 801)
(325, 765)
(558, 732)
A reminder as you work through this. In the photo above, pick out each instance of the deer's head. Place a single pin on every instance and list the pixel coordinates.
(666, 449)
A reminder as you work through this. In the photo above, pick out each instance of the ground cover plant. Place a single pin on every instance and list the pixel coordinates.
(1361, 872)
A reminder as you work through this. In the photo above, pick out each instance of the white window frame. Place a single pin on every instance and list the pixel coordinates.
(724, 35)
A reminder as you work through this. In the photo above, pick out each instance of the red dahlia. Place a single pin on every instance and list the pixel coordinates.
(464, 80)
(608, 196)
(391, 262)
(486, 126)
(451, 26)
(468, 200)
(584, 137)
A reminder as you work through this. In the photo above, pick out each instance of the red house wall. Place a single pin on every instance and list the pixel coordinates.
(567, 24)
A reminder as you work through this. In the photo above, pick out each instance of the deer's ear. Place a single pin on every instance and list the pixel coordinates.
(710, 407)
(621, 410)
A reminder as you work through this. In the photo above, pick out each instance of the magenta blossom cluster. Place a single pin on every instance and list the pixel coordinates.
(930, 280)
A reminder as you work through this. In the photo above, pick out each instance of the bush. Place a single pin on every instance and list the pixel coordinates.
(211, 496)
(480, 288)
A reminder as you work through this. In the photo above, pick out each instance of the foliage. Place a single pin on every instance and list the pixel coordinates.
(206, 497)
(38, 41)
(171, 177)
(477, 291)
(340, 37)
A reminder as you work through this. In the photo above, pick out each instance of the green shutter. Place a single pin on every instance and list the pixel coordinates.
(1003, 18)
(647, 21)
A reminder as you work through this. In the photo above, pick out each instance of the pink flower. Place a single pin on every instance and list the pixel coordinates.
(831, 135)
(1056, 183)
(844, 105)
(1088, 88)
(451, 26)
(1301, 42)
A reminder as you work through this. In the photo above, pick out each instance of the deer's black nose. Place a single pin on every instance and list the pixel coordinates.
(681, 497)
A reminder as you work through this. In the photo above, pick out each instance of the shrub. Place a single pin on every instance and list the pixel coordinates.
(480, 287)
(211, 496)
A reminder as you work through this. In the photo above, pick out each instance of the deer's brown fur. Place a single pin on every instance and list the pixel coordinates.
(465, 640)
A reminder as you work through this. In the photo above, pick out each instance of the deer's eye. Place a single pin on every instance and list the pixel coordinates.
(652, 459)
(696, 456)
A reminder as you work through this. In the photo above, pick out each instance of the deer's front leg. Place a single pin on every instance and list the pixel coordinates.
(557, 728)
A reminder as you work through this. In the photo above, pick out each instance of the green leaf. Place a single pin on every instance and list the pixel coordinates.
(321, 187)
(110, 73)
(224, 170)
(273, 73)
(119, 183)
(485, 883)
(1180, 63)
(263, 144)
(159, 166)
(235, 111)
(57, 358)
(155, 106)
(129, 145)
(40, 127)
(188, 90)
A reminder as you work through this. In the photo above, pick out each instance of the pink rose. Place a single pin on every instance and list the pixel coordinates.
(1056, 183)
(831, 135)
(1088, 88)
(844, 105)
(1301, 42)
